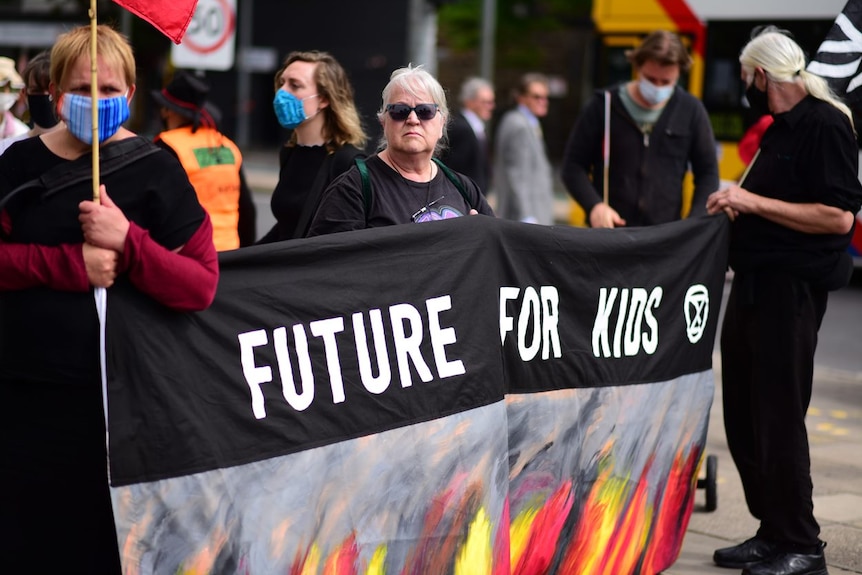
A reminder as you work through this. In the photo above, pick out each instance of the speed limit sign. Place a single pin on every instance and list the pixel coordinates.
(209, 41)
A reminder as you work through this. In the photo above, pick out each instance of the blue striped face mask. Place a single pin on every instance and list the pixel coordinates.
(76, 111)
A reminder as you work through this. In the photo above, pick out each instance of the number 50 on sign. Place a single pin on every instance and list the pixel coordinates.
(209, 41)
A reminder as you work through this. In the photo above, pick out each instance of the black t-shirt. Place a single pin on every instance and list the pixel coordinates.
(299, 167)
(808, 155)
(301, 181)
(49, 335)
(393, 200)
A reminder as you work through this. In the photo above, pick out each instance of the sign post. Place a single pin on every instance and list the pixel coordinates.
(209, 42)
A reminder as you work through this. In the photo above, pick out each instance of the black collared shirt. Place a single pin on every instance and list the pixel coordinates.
(808, 155)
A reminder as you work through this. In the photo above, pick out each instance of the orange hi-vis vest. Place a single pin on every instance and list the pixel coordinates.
(212, 163)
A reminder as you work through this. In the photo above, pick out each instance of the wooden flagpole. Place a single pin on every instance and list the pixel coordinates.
(94, 95)
(748, 168)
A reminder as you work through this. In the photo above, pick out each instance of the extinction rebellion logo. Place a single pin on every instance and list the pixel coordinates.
(696, 307)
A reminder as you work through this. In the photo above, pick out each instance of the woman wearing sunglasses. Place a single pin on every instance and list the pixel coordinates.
(314, 98)
(403, 182)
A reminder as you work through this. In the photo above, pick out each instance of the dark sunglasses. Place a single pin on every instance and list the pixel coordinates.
(400, 112)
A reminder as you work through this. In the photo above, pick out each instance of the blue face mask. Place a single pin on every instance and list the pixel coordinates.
(289, 109)
(653, 94)
(76, 111)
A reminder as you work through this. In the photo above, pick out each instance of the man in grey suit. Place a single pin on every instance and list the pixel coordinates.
(523, 179)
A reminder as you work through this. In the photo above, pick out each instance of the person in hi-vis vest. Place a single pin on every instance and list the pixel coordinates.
(211, 160)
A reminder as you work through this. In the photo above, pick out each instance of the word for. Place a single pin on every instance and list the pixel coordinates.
(539, 310)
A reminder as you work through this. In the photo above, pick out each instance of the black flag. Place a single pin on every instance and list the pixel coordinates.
(839, 58)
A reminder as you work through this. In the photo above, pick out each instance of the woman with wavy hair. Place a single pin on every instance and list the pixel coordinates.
(314, 99)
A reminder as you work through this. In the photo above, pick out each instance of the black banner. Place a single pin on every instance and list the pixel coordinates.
(463, 396)
(321, 340)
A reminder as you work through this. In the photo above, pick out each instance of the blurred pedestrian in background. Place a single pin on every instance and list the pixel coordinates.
(656, 132)
(11, 85)
(468, 150)
(792, 223)
(403, 182)
(56, 244)
(523, 178)
(212, 161)
(314, 98)
(36, 77)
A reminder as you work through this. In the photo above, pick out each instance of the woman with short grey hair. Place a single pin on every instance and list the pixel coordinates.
(403, 182)
(414, 81)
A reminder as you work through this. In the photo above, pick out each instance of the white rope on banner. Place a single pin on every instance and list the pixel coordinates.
(100, 295)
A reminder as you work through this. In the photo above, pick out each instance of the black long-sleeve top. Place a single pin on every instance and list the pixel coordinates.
(646, 171)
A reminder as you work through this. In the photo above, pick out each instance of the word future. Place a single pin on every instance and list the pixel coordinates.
(407, 330)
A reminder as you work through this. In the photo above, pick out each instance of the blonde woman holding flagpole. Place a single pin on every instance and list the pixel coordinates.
(56, 246)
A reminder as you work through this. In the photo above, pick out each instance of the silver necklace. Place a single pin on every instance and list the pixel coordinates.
(392, 163)
(428, 203)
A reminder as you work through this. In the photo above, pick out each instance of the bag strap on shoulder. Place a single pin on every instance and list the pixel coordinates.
(455, 180)
(112, 158)
(366, 183)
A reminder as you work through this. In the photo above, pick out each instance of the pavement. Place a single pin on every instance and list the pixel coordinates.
(835, 436)
(261, 169)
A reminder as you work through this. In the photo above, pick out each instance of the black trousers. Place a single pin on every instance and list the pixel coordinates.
(768, 340)
(55, 504)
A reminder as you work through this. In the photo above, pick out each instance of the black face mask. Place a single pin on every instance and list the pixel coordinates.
(42, 110)
(757, 99)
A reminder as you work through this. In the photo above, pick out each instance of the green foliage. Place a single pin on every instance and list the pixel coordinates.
(519, 28)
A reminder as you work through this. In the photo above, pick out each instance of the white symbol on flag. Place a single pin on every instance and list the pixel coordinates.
(839, 50)
(696, 308)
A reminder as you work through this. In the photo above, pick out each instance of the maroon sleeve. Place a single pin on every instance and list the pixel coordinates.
(185, 280)
(25, 266)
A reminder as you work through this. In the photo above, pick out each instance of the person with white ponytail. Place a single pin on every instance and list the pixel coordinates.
(792, 219)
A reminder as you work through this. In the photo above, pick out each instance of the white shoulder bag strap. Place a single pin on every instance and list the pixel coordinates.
(606, 151)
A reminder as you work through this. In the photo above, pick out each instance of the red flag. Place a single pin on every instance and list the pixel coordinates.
(170, 17)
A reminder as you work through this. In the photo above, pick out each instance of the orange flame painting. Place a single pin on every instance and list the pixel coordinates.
(546, 483)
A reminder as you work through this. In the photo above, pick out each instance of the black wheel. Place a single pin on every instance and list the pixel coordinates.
(710, 483)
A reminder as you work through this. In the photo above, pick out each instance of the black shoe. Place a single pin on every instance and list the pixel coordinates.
(792, 564)
(746, 554)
